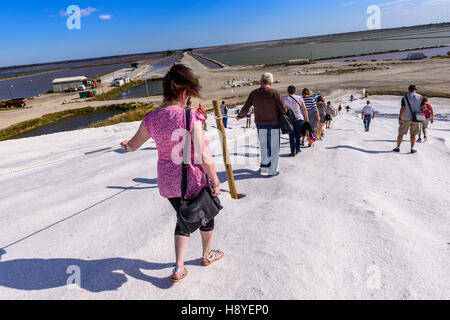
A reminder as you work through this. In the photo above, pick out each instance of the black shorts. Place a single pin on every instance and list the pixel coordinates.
(328, 117)
(176, 204)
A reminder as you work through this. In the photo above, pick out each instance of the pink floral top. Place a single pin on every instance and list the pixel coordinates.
(167, 126)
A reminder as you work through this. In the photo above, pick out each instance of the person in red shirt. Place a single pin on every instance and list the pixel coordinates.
(201, 109)
(429, 117)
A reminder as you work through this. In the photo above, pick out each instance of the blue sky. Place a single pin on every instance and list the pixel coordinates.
(35, 31)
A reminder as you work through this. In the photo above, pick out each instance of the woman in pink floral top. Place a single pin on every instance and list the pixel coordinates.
(167, 126)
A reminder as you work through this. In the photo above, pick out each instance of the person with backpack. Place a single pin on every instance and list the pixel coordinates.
(368, 114)
(429, 117)
(224, 110)
(268, 105)
(410, 117)
(298, 107)
(178, 86)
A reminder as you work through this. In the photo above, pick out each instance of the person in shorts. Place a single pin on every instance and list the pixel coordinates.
(429, 117)
(411, 103)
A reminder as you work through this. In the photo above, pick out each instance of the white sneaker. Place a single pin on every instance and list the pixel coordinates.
(264, 171)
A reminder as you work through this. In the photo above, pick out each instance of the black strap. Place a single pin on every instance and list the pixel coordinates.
(296, 101)
(186, 161)
(407, 101)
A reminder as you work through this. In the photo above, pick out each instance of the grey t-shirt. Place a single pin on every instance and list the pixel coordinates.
(416, 101)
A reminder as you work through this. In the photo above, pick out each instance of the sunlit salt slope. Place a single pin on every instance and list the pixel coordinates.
(345, 219)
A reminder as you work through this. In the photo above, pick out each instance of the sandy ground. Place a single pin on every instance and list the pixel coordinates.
(346, 219)
(430, 75)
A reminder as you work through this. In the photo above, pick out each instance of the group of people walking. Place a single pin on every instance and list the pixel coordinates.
(309, 116)
(267, 104)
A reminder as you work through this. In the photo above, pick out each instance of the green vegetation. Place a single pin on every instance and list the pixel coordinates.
(23, 127)
(352, 70)
(137, 113)
(358, 64)
(170, 53)
(111, 94)
(442, 56)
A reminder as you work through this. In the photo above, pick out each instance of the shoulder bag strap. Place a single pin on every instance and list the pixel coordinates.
(187, 144)
(409, 105)
(296, 101)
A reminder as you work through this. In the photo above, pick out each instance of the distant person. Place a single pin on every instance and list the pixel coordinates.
(340, 109)
(352, 98)
(268, 103)
(429, 117)
(224, 110)
(412, 103)
(368, 114)
(298, 107)
(202, 111)
(321, 108)
(249, 117)
(329, 114)
(347, 108)
(313, 112)
(178, 86)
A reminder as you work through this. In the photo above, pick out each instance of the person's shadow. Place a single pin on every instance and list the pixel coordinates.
(359, 149)
(94, 275)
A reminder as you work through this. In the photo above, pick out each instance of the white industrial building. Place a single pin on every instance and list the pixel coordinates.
(66, 84)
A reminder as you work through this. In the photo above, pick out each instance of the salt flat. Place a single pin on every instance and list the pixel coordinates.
(346, 219)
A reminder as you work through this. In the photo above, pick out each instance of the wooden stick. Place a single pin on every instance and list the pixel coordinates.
(226, 155)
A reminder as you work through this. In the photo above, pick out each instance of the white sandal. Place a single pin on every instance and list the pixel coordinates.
(183, 274)
(211, 257)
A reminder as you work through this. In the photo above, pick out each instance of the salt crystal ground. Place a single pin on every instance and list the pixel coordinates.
(346, 219)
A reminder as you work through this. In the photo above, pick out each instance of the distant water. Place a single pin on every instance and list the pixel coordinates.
(70, 124)
(24, 88)
(431, 52)
(208, 63)
(321, 50)
(154, 88)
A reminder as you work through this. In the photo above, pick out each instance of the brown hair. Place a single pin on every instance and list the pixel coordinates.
(425, 98)
(291, 89)
(320, 99)
(178, 79)
(306, 92)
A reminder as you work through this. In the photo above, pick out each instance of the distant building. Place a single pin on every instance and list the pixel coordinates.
(416, 56)
(68, 84)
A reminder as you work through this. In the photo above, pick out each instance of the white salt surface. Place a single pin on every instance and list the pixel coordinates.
(346, 219)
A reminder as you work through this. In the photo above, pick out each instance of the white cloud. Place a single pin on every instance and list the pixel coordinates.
(105, 17)
(396, 3)
(84, 12)
(434, 2)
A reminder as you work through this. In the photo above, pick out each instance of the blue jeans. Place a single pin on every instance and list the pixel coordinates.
(367, 120)
(294, 137)
(225, 122)
(269, 141)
